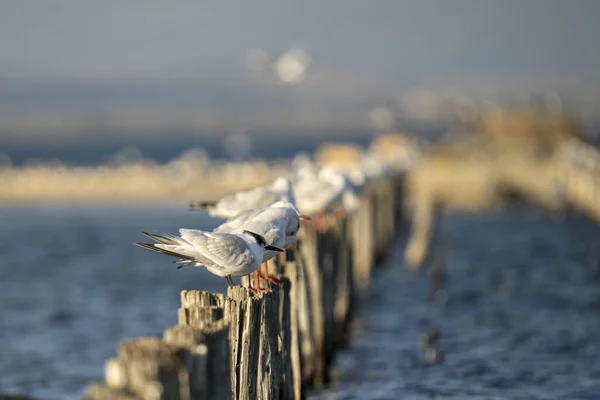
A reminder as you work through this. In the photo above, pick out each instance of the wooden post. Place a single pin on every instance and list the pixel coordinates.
(361, 231)
(199, 298)
(97, 391)
(383, 228)
(209, 365)
(345, 290)
(290, 311)
(301, 320)
(328, 267)
(256, 358)
(145, 368)
(398, 184)
(199, 316)
(309, 262)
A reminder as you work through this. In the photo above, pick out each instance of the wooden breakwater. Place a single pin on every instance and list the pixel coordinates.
(271, 345)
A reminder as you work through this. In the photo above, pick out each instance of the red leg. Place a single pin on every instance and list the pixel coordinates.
(340, 212)
(257, 288)
(320, 220)
(266, 275)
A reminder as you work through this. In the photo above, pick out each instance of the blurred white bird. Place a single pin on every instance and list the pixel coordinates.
(326, 189)
(223, 254)
(257, 198)
(279, 224)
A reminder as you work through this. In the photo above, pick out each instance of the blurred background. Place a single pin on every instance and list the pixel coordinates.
(154, 102)
(80, 81)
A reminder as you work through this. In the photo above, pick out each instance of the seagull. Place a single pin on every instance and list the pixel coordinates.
(278, 224)
(223, 254)
(257, 198)
(324, 189)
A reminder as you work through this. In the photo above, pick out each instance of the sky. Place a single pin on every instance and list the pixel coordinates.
(154, 39)
(135, 61)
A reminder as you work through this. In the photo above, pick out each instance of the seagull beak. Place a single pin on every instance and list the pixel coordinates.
(305, 217)
(273, 248)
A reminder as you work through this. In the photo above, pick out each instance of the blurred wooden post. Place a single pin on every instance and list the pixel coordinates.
(308, 258)
(328, 267)
(149, 369)
(97, 391)
(398, 183)
(385, 214)
(203, 331)
(345, 300)
(302, 339)
(288, 343)
(208, 369)
(292, 338)
(361, 231)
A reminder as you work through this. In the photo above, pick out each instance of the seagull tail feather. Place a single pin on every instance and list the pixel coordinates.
(181, 258)
(164, 239)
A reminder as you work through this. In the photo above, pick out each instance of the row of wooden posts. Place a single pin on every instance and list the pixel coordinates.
(272, 345)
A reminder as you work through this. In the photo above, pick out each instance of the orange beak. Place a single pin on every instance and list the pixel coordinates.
(305, 217)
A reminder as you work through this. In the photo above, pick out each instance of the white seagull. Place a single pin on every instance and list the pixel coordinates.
(257, 198)
(223, 254)
(278, 224)
(324, 190)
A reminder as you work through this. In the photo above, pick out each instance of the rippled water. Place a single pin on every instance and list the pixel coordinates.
(72, 286)
(521, 320)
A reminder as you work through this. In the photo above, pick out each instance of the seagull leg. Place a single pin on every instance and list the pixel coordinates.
(266, 275)
(229, 281)
(257, 289)
(340, 212)
(320, 220)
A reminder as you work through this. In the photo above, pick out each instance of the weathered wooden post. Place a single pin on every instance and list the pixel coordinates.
(208, 369)
(303, 353)
(361, 231)
(308, 259)
(254, 335)
(398, 182)
(291, 309)
(146, 368)
(202, 326)
(385, 212)
(346, 293)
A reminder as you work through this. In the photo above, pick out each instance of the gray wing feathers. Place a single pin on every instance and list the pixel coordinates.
(252, 199)
(219, 249)
(236, 222)
(226, 250)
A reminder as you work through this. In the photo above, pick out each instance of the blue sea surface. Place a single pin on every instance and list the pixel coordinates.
(521, 318)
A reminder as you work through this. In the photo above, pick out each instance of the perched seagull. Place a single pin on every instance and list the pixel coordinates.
(325, 189)
(278, 223)
(223, 254)
(257, 198)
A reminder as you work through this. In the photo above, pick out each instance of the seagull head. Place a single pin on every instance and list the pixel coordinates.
(285, 187)
(262, 242)
(287, 204)
(281, 184)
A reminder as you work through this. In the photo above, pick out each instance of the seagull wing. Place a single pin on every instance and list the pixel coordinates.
(222, 250)
(259, 197)
(236, 222)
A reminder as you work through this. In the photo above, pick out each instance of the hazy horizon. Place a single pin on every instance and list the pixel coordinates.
(68, 67)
